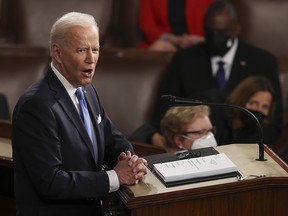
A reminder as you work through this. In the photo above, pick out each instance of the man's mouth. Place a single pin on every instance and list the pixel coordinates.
(89, 71)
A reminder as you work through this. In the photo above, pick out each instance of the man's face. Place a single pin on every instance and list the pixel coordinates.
(220, 32)
(77, 57)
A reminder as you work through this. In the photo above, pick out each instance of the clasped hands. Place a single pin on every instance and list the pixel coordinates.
(130, 169)
(170, 42)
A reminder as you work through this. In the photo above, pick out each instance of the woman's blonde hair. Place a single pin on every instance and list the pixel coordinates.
(176, 119)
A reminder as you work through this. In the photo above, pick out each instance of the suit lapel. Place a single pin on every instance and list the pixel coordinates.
(69, 108)
(238, 70)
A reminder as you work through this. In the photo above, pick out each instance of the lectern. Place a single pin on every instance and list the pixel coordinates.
(263, 196)
(263, 191)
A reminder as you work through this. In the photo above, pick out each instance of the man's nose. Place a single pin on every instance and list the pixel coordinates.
(90, 57)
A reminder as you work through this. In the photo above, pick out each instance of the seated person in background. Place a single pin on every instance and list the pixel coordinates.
(172, 24)
(256, 94)
(187, 128)
(195, 69)
(4, 110)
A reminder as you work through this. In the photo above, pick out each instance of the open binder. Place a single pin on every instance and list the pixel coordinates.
(179, 168)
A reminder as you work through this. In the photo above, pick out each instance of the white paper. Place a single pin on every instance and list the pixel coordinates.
(195, 167)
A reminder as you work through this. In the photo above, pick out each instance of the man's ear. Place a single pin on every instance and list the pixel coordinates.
(56, 52)
(177, 139)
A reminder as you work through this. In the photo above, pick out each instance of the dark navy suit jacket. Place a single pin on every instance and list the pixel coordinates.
(55, 172)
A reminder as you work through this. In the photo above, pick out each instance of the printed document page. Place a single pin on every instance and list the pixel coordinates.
(195, 167)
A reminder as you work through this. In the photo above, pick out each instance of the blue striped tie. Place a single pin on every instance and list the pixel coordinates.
(85, 116)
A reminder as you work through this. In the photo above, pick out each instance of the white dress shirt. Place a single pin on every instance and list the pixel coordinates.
(227, 59)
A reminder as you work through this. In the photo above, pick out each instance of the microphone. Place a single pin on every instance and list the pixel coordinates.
(170, 100)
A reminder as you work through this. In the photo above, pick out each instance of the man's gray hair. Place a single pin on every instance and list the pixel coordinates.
(68, 20)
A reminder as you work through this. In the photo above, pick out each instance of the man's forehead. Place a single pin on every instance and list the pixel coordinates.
(219, 21)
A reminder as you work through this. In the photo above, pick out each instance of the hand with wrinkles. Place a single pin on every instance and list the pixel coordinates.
(130, 169)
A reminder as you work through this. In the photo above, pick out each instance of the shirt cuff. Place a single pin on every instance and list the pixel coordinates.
(113, 180)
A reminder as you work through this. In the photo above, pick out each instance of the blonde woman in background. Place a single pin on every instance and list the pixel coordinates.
(187, 128)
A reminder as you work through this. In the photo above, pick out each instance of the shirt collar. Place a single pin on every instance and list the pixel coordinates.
(68, 86)
(229, 56)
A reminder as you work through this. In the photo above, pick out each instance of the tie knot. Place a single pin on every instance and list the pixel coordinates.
(79, 94)
(220, 63)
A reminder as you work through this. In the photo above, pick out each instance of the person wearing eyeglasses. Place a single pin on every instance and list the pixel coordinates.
(185, 128)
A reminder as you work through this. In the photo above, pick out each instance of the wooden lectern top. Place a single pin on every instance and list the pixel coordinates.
(228, 196)
(152, 193)
(243, 155)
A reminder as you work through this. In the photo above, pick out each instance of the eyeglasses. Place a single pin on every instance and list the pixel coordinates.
(198, 134)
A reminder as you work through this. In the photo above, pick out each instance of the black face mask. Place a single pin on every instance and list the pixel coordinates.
(249, 122)
(218, 43)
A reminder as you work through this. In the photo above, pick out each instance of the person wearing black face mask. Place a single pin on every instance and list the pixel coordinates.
(218, 43)
(256, 94)
(192, 71)
(248, 121)
(221, 29)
